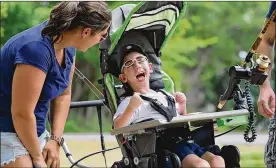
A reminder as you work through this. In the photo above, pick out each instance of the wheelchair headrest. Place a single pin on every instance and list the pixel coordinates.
(118, 17)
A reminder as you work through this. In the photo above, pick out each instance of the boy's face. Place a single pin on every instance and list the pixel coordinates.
(136, 71)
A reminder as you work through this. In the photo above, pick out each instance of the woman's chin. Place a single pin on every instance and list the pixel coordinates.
(82, 49)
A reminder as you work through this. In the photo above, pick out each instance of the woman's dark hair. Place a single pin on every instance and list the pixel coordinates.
(69, 15)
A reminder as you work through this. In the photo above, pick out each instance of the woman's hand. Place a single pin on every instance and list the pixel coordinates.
(51, 154)
(266, 101)
(39, 162)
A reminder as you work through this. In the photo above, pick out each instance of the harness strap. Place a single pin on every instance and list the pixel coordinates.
(168, 112)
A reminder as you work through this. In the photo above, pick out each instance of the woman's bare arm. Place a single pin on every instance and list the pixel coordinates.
(26, 88)
(60, 108)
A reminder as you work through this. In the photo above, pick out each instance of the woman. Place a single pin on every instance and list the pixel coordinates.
(36, 72)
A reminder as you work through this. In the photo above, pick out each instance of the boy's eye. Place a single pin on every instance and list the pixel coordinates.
(128, 63)
(140, 59)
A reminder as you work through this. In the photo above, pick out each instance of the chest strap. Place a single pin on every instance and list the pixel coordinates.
(168, 112)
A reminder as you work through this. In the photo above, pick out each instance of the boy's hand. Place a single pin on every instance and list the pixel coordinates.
(135, 100)
(180, 98)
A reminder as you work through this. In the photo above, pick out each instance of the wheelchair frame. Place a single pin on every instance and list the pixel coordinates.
(145, 127)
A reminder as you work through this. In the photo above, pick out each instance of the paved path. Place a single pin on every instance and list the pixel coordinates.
(230, 138)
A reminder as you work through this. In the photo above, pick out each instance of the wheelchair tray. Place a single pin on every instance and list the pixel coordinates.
(140, 127)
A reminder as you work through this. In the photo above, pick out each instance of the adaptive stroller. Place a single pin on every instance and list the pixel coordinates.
(151, 24)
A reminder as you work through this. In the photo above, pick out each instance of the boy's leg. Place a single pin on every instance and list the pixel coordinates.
(185, 152)
(213, 160)
(193, 161)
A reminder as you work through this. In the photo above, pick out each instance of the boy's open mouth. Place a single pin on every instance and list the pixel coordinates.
(141, 76)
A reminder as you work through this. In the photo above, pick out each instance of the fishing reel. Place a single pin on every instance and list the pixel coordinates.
(255, 74)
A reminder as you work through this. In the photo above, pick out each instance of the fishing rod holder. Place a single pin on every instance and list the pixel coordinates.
(255, 74)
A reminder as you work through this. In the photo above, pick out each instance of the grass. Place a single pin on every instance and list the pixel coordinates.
(251, 156)
(82, 148)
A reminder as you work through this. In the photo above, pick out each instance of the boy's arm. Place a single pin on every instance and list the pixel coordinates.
(123, 119)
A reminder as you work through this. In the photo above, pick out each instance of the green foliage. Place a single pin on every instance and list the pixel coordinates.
(4, 14)
(18, 16)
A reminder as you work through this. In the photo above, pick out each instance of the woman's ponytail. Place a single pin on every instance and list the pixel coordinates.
(69, 15)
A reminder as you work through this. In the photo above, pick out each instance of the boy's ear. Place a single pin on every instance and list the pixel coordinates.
(150, 68)
(123, 78)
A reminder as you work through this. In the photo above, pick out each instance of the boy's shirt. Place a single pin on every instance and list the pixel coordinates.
(144, 111)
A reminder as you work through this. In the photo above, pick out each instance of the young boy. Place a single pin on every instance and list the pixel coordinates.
(135, 73)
